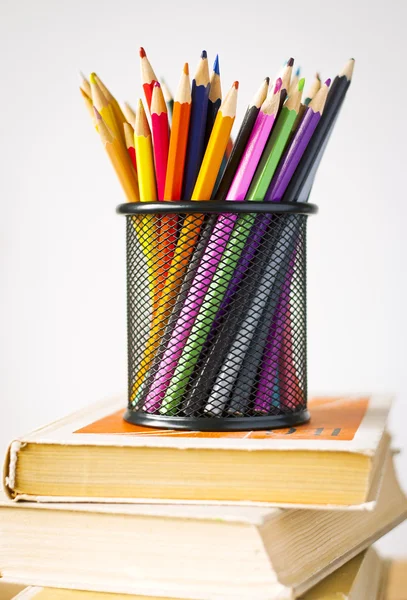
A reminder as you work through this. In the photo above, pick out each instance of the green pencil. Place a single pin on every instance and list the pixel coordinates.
(227, 265)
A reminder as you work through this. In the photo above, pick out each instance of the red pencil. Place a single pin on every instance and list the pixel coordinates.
(148, 77)
(159, 122)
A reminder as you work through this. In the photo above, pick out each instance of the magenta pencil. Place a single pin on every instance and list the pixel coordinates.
(160, 130)
(256, 144)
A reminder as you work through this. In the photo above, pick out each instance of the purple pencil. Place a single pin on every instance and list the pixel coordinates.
(169, 384)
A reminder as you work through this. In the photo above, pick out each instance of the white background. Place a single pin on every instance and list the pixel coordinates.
(62, 246)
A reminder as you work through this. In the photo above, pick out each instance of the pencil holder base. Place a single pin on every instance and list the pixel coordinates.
(218, 424)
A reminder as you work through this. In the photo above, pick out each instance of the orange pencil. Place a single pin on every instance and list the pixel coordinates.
(160, 130)
(148, 77)
(175, 170)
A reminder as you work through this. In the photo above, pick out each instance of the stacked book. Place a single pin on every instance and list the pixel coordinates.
(96, 508)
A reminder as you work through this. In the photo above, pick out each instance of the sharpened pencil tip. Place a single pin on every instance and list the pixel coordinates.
(216, 65)
(92, 78)
(298, 72)
(236, 85)
(142, 52)
(290, 62)
(186, 69)
(328, 82)
(267, 80)
(156, 84)
(204, 54)
(301, 84)
(278, 85)
(318, 76)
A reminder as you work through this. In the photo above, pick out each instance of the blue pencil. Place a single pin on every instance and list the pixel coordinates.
(214, 100)
(197, 126)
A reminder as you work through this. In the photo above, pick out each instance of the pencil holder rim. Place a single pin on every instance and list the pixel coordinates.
(214, 207)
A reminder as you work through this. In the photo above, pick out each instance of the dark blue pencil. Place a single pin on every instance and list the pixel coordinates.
(214, 100)
(197, 126)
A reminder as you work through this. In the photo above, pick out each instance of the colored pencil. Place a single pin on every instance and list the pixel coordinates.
(242, 138)
(178, 138)
(89, 107)
(237, 351)
(315, 87)
(122, 167)
(129, 113)
(197, 126)
(85, 85)
(148, 77)
(235, 263)
(205, 292)
(144, 156)
(105, 109)
(189, 234)
(129, 137)
(214, 99)
(336, 96)
(294, 81)
(117, 111)
(168, 98)
(160, 129)
(286, 78)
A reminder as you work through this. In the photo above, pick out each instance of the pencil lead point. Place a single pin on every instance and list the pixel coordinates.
(267, 80)
(318, 76)
(328, 82)
(236, 85)
(142, 52)
(92, 78)
(298, 72)
(278, 85)
(301, 84)
(216, 65)
(186, 69)
(204, 54)
(290, 62)
(156, 84)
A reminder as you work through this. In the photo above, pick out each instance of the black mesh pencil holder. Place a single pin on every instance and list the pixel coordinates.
(216, 300)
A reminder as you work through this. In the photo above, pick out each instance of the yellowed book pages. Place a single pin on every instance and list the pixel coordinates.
(94, 455)
(188, 551)
(397, 580)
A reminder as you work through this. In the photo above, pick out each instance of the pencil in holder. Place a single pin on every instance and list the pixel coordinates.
(216, 308)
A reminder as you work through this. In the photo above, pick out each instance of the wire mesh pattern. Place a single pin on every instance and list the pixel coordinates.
(217, 320)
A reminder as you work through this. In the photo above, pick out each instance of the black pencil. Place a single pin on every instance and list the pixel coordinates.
(302, 179)
(241, 140)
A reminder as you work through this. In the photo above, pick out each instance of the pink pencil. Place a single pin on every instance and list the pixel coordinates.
(219, 238)
(256, 144)
(159, 126)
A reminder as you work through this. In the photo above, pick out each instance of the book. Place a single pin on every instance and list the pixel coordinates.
(358, 579)
(396, 588)
(334, 461)
(188, 551)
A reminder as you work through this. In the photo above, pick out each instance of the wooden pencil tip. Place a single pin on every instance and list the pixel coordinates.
(186, 69)
(140, 104)
(236, 85)
(318, 76)
(142, 52)
(204, 54)
(278, 85)
(290, 62)
(267, 80)
(301, 84)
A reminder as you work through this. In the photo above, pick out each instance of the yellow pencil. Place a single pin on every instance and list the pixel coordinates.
(145, 158)
(89, 107)
(117, 111)
(85, 85)
(103, 107)
(190, 230)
